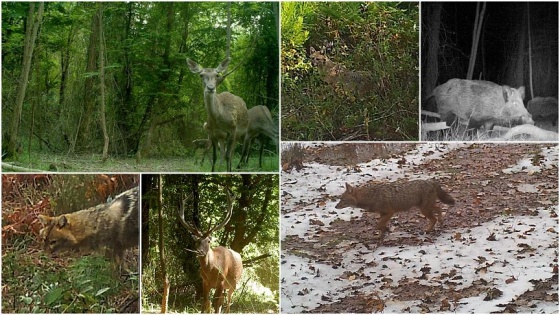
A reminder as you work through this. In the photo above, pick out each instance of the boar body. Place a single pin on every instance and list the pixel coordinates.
(481, 104)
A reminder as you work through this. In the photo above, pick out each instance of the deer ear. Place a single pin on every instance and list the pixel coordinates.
(349, 188)
(195, 68)
(223, 66)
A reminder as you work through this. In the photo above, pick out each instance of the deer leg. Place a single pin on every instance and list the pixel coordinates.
(205, 298)
(214, 143)
(228, 301)
(206, 149)
(261, 140)
(245, 151)
(249, 145)
(222, 152)
(218, 299)
(230, 141)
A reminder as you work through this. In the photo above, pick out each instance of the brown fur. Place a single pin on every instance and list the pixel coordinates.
(388, 199)
(359, 83)
(113, 226)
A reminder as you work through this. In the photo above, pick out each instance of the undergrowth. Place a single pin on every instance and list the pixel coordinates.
(35, 283)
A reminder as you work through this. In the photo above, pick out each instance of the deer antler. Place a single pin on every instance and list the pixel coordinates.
(227, 218)
(188, 226)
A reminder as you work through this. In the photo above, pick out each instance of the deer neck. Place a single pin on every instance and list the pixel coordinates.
(207, 262)
(213, 106)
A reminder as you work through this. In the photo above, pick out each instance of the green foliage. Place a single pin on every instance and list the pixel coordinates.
(37, 284)
(254, 213)
(294, 33)
(153, 101)
(374, 42)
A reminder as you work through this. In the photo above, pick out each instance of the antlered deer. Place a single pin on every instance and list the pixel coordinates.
(260, 125)
(220, 267)
(227, 113)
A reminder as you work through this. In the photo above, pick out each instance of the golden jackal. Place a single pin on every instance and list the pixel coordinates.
(359, 83)
(386, 199)
(112, 225)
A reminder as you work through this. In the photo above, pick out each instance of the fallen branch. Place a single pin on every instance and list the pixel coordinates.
(250, 262)
(13, 168)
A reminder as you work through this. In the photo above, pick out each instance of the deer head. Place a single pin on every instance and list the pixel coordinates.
(220, 267)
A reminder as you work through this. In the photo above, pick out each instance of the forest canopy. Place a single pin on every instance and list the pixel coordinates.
(116, 72)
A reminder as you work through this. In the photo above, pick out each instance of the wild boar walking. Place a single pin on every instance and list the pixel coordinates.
(481, 103)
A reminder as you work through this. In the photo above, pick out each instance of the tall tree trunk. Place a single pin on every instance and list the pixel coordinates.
(165, 295)
(83, 132)
(476, 38)
(157, 107)
(123, 112)
(34, 20)
(531, 95)
(102, 83)
(243, 235)
(430, 70)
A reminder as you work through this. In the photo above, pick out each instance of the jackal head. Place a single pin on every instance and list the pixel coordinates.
(56, 234)
(318, 59)
(348, 198)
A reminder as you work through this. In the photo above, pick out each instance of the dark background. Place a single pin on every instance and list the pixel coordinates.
(503, 51)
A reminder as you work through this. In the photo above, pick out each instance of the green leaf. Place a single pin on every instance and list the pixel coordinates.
(53, 296)
(102, 291)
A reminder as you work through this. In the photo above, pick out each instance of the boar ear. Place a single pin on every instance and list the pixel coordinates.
(506, 91)
(349, 188)
(522, 92)
(45, 220)
(61, 222)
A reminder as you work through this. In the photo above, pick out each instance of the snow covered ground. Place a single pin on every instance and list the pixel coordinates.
(507, 252)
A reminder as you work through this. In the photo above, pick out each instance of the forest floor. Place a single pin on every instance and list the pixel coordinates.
(497, 250)
(94, 163)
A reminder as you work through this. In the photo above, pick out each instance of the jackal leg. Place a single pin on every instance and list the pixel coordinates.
(382, 223)
(428, 212)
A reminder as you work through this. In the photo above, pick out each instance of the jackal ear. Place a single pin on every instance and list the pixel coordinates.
(45, 220)
(311, 50)
(349, 188)
(61, 222)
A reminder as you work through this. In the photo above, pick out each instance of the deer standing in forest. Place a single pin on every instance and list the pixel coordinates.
(227, 113)
(260, 125)
(220, 267)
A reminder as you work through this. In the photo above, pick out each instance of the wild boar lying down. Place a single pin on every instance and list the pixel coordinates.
(481, 103)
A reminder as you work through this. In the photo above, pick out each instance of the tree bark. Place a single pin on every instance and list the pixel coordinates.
(83, 131)
(102, 83)
(34, 20)
(429, 80)
(165, 295)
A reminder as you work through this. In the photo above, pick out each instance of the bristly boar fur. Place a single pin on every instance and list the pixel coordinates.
(113, 225)
(481, 103)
